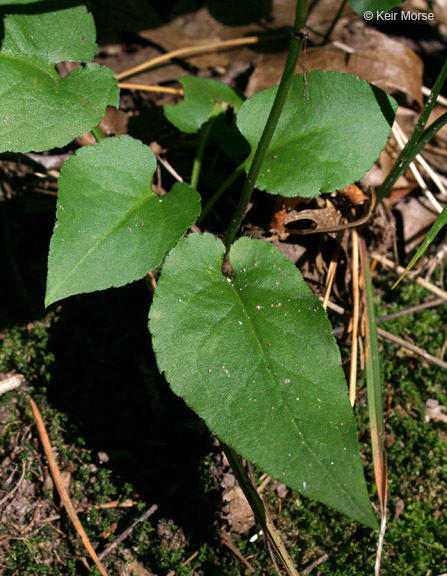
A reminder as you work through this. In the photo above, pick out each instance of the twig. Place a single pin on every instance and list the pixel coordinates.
(440, 100)
(16, 487)
(338, 332)
(169, 168)
(264, 484)
(10, 383)
(228, 542)
(186, 562)
(402, 140)
(317, 562)
(58, 482)
(150, 88)
(330, 277)
(197, 50)
(400, 270)
(412, 310)
(412, 348)
(128, 531)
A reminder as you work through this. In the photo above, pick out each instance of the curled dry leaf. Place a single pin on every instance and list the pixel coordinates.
(324, 218)
(238, 512)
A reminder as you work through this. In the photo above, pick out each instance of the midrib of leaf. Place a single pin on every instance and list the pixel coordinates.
(102, 239)
(50, 71)
(265, 356)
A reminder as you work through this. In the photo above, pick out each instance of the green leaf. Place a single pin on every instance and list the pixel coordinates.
(255, 357)
(324, 142)
(204, 98)
(39, 109)
(111, 227)
(377, 7)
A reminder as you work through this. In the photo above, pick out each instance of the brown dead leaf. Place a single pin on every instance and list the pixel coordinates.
(369, 54)
(282, 206)
(199, 28)
(238, 512)
(114, 123)
(417, 216)
(353, 195)
(121, 61)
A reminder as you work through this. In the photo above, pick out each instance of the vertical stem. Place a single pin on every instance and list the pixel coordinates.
(203, 141)
(222, 188)
(98, 134)
(272, 121)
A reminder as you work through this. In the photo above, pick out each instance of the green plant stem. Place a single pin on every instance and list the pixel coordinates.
(222, 188)
(98, 134)
(414, 144)
(260, 510)
(203, 141)
(272, 121)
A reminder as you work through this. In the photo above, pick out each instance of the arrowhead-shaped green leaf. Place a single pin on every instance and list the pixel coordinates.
(204, 98)
(111, 227)
(323, 142)
(255, 357)
(38, 109)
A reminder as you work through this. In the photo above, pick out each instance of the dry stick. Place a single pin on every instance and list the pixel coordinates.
(355, 316)
(338, 332)
(185, 563)
(128, 531)
(439, 100)
(400, 270)
(197, 50)
(412, 310)
(58, 482)
(332, 270)
(16, 487)
(228, 542)
(169, 168)
(401, 140)
(412, 348)
(150, 88)
(317, 562)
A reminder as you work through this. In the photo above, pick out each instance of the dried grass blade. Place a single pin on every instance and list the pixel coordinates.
(355, 316)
